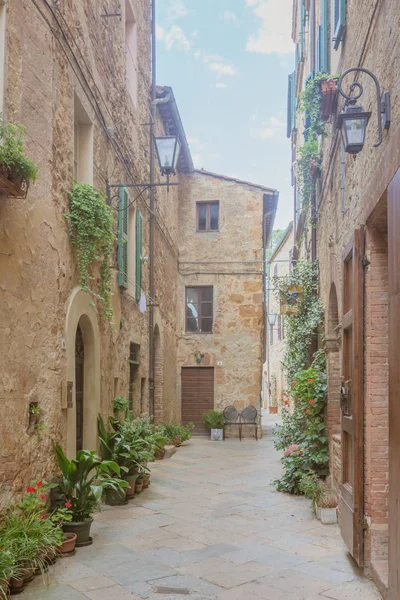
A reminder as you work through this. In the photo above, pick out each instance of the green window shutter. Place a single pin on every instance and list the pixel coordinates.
(289, 108)
(123, 214)
(323, 38)
(139, 235)
(339, 22)
(303, 14)
(318, 52)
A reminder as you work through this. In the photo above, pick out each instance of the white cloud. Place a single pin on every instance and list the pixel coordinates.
(229, 16)
(197, 160)
(267, 129)
(197, 54)
(160, 32)
(220, 85)
(177, 10)
(194, 141)
(222, 69)
(214, 155)
(174, 38)
(274, 34)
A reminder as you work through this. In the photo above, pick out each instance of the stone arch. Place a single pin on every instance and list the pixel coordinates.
(81, 313)
(158, 409)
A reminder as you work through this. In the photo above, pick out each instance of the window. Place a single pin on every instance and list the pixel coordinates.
(83, 144)
(123, 221)
(339, 22)
(131, 250)
(207, 216)
(2, 52)
(271, 335)
(130, 228)
(199, 309)
(131, 50)
(134, 362)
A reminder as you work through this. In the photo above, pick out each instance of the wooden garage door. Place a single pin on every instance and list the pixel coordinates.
(197, 395)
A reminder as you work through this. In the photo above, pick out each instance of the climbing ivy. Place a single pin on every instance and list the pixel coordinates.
(300, 328)
(91, 230)
(307, 169)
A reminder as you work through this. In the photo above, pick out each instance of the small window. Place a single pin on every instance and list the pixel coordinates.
(207, 216)
(199, 309)
(83, 144)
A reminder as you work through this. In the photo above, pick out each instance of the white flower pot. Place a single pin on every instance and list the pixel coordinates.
(328, 516)
(217, 435)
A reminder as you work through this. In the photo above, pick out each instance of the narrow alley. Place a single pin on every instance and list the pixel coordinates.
(211, 527)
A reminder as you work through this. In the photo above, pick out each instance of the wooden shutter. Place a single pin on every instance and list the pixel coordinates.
(289, 123)
(339, 22)
(323, 57)
(123, 219)
(139, 235)
(303, 14)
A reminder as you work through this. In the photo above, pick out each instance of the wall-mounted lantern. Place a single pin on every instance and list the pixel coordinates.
(168, 148)
(272, 318)
(353, 120)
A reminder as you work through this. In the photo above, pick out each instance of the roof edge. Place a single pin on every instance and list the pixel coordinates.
(271, 191)
(285, 236)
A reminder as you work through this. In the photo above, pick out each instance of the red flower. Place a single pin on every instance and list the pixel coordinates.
(42, 517)
(68, 505)
(294, 382)
(307, 411)
(39, 483)
(310, 380)
(286, 402)
(43, 496)
(30, 490)
(311, 402)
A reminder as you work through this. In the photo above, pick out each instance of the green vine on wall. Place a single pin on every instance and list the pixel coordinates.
(92, 233)
(300, 328)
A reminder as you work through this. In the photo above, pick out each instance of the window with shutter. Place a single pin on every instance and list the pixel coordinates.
(303, 15)
(291, 105)
(339, 22)
(139, 236)
(323, 50)
(123, 209)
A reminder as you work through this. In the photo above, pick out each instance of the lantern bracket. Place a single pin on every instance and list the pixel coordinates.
(356, 90)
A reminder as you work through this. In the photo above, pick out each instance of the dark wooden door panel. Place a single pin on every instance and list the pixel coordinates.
(352, 419)
(394, 385)
(197, 395)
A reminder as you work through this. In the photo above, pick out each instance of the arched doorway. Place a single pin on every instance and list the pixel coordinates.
(83, 372)
(79, 386)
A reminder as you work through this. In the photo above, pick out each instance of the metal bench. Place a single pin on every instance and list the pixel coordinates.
(248, 416)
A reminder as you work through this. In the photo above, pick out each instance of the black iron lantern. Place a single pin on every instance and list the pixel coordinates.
(168, 148)
(352, 123)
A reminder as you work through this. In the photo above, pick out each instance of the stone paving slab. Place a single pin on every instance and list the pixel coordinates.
(210, 527)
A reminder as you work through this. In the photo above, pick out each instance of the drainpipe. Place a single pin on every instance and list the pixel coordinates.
(152, 205)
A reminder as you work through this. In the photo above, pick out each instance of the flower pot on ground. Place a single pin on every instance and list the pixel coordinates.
(131, 479)
(16, 586)
(139, 484)
(146, 480)
(69, 543)
(214, 420)
(82, 531)
(328, 508)
(115, 497)
(80, 488)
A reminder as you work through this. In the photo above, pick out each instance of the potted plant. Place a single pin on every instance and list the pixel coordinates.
(327, 504)
(313, 488)
(7, 565)
(16, 171)
(214, 420)
(328, 96)
(81, 486)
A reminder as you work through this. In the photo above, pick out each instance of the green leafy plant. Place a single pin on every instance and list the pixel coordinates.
(308, 167)
(302, 327)
(12, 153)
(120, 404)
(310, 104)
(177, 433)
(312, 487)
(91, 230)
(214, 419)
(34, 409)
(7, 567)
(83, 480)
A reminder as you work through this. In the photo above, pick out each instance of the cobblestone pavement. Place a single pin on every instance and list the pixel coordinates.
(210, 527)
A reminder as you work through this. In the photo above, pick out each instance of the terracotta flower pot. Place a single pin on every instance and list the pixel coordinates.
(328, 98)
(159, 455)
(16, 585)
(82, 530)
(68, 544)
(138, 486)
(146, 481)
(5, 589)
(115, 497)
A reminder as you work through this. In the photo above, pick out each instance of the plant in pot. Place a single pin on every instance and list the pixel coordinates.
(120, 406)
(16, 171)
(7, 566)
(313, 488)
(327, 504)
(81, 485)
(111, 449)
(214, 420)
(59, 517)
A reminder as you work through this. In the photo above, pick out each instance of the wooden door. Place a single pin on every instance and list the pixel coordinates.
(394, 385)
(79, 386)
(352, 398)
(197, 395)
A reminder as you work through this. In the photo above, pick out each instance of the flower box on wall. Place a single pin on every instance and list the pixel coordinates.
(15, 187)
(328, 98)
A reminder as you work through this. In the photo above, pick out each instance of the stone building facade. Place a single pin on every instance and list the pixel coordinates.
(279, 265)
(356, 214)
(79, 79)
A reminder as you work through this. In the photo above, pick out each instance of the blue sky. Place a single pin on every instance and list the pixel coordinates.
(228, 62)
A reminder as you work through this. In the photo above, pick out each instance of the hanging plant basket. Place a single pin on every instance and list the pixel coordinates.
(11, 185)
(328, 98)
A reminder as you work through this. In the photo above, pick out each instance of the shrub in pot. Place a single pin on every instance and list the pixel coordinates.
(16, 171)
(313, 488)
(214, 420)
(81, 486)
(328, 508)
(7, 565)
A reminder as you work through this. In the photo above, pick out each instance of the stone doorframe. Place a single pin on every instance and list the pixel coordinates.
(81, 312)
